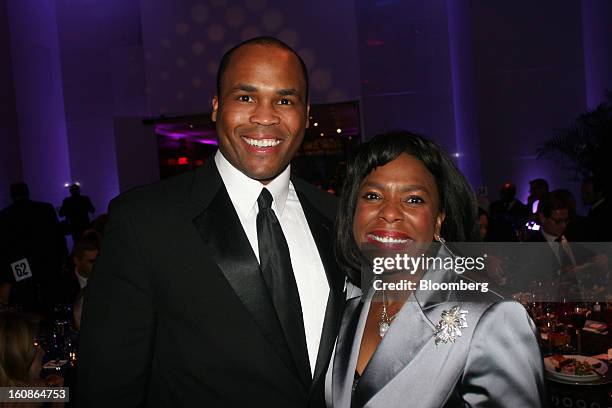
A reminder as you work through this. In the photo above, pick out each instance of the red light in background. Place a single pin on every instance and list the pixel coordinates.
(374, 42)
(182, 161)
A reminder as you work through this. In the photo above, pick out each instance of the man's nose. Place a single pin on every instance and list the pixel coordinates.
(265, 114)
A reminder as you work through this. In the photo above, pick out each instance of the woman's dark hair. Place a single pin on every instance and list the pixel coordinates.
(457, 199)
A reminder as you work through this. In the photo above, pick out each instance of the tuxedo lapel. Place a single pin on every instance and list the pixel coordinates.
(219, 227)
(322, 233)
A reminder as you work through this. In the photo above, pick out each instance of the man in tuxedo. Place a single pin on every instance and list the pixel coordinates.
(219, 287)
(598, 224)
(32, 249)
(558, 260)
(76, 273)
(508, 214)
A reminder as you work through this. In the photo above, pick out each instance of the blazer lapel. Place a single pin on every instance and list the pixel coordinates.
(410, 331)
(347, 350)
(219, 227)
(322, 232)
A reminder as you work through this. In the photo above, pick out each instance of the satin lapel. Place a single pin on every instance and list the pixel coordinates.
(347, 351)
(322, 233)
(410, 331)
(220, 229)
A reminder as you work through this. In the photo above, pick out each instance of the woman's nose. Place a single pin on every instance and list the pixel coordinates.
(391, 211)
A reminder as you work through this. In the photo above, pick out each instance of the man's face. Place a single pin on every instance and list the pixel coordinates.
(85, 263)
(536, 191)
(557, 222)
(262, 113)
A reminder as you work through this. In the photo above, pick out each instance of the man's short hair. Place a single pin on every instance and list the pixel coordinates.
(550, 202)
(539, 183)
(90, 241)
(266, 41)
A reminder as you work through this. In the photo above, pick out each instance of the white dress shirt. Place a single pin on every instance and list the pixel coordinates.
(557, 246)
(82, 279)
(308, 269)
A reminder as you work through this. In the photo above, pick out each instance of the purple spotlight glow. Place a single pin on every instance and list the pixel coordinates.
(191, 134)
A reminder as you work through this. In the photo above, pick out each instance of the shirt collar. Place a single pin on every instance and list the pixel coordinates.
(82, 279)
(244, 190)
(551, 238)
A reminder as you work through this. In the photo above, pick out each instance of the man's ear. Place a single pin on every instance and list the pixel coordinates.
(307, 116)
(215, 107)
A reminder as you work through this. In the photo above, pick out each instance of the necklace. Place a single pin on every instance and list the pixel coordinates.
(385, 320)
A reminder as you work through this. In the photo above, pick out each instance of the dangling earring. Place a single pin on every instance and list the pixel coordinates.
(442, 242)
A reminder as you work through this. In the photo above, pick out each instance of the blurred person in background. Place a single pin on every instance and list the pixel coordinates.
(599, 217)
(483, 223)
(576, 229)
(76, 210)
(537, 189)
(507, 215)
(78, 269)
(32, 250)
(21, 356)
(77, 273)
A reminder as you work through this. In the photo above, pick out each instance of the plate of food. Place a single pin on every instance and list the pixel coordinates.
(575, 368)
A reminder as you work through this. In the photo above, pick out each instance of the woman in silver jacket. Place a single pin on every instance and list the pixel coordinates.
(448, 343)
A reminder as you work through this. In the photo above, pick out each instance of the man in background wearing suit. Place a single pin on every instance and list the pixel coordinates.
(219, 287)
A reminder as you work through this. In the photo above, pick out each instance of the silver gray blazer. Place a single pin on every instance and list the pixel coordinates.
(495, 362)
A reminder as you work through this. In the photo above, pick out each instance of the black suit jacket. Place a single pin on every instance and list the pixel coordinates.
(177, 312)
(599, 223)
(542, 264)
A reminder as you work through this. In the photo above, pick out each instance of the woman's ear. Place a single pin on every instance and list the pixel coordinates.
(439, 220)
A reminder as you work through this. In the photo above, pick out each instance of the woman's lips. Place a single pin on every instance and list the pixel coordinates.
(388, 239)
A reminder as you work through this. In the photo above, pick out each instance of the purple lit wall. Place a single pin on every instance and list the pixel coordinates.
(463, 79)
(141, 168)
(597, 44)
(530, 70)
(39, 97)
(10, 154)
(98, 37)
(184, 40)
(405, 68)
(489, 81)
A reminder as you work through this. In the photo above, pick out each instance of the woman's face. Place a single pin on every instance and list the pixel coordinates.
(397, 204)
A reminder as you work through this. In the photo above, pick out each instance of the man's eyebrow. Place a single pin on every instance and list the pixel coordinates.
(288, 92)
(251, 88)
(244, 88)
